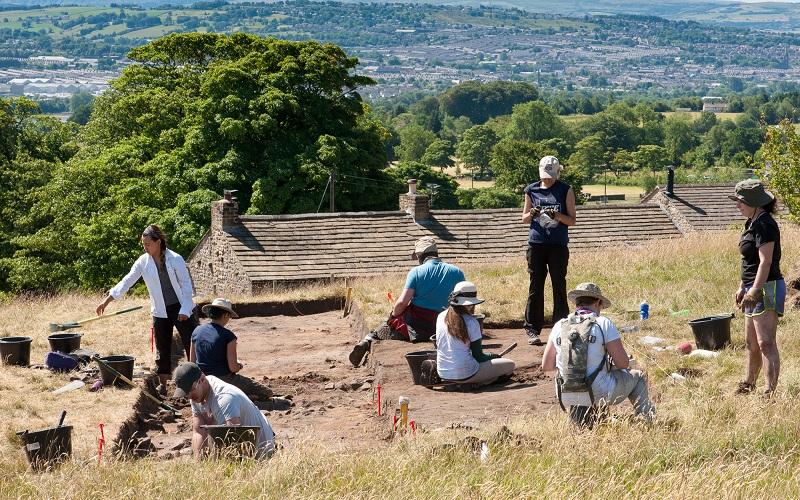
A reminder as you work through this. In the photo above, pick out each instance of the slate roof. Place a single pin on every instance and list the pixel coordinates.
(318, 246)
(706, 207)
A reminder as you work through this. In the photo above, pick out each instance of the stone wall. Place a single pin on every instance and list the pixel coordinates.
(215, 270)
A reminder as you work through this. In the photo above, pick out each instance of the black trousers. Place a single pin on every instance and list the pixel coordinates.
(163, 333)
(544, 259)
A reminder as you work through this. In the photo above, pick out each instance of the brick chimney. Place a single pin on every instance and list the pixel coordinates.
(225, 212)
(418, 205)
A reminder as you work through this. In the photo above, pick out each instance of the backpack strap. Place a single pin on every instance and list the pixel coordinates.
(590, 378)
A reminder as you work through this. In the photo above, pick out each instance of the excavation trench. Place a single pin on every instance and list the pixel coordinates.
(300, 350)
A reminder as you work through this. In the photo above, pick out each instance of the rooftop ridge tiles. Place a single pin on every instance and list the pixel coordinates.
(323, 215)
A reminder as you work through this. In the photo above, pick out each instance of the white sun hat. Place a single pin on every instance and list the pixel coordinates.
(465, 293)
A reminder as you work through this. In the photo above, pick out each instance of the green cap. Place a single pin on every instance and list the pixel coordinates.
(185, 376)
(752, 193)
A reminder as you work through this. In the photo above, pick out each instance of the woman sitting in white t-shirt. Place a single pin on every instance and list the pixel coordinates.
(459, 355)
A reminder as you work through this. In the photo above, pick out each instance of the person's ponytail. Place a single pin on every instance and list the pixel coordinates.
(456, 326)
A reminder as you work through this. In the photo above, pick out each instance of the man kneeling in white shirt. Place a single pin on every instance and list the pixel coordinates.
(215, 402)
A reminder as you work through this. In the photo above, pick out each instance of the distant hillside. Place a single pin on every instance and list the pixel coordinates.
(780, 16)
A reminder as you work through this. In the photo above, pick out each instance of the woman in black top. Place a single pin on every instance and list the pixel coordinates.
(762, 291)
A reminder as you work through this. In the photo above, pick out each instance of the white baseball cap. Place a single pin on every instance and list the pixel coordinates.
(549, 168)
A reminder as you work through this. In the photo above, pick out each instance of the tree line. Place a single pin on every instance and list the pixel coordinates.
(630, 139)
(199, 113)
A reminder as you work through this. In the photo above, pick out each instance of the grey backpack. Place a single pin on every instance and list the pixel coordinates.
(575, 378)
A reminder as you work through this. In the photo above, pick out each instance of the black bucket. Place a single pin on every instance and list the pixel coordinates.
(712, 333)
(123, 364)
(15, 350)
(65, 342)
(233, 441)
(415, 360)
(47, 448)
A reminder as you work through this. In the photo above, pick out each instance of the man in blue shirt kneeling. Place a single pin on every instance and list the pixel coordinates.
(425, 295)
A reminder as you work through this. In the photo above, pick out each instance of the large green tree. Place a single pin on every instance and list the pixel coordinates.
(198, 113)
(414, 141)
(679, 138)
(475, 148)
(781, 167)
(481, 101)
(535, 121)
(31, 148)
(439, 154)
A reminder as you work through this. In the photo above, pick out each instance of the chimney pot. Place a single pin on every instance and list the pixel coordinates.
(670, 192)
(227, 194)
(412, 186)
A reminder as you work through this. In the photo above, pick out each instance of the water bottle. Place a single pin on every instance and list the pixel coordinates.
(644, 310)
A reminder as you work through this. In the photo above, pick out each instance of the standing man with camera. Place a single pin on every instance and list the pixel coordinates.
(549, 210)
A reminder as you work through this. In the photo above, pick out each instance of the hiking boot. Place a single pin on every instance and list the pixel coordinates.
(745, 388)
(533, 337)
(358, 352)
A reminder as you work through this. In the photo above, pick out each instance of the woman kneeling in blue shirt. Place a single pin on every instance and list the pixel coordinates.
(214, 350)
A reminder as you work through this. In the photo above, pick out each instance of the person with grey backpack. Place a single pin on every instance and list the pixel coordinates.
(593, 368)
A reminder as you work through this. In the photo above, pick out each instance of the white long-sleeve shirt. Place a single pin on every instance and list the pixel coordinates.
(145, 267)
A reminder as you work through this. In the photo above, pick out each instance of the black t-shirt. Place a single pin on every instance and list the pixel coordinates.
(758, 232)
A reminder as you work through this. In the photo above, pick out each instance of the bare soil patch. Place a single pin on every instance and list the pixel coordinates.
(304, 359)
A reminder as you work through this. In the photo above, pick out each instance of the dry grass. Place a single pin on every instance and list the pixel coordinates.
(705, 442)
(631, 192)
(26, 394)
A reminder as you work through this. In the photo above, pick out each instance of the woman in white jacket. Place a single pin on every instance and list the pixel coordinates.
(167, 279)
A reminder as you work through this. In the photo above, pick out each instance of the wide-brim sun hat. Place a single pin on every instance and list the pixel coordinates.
(588, 290)
(220, 303)
(465, 293)
(751, 192)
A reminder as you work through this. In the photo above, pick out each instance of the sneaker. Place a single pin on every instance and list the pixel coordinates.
(533, 337)
(745, 388)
